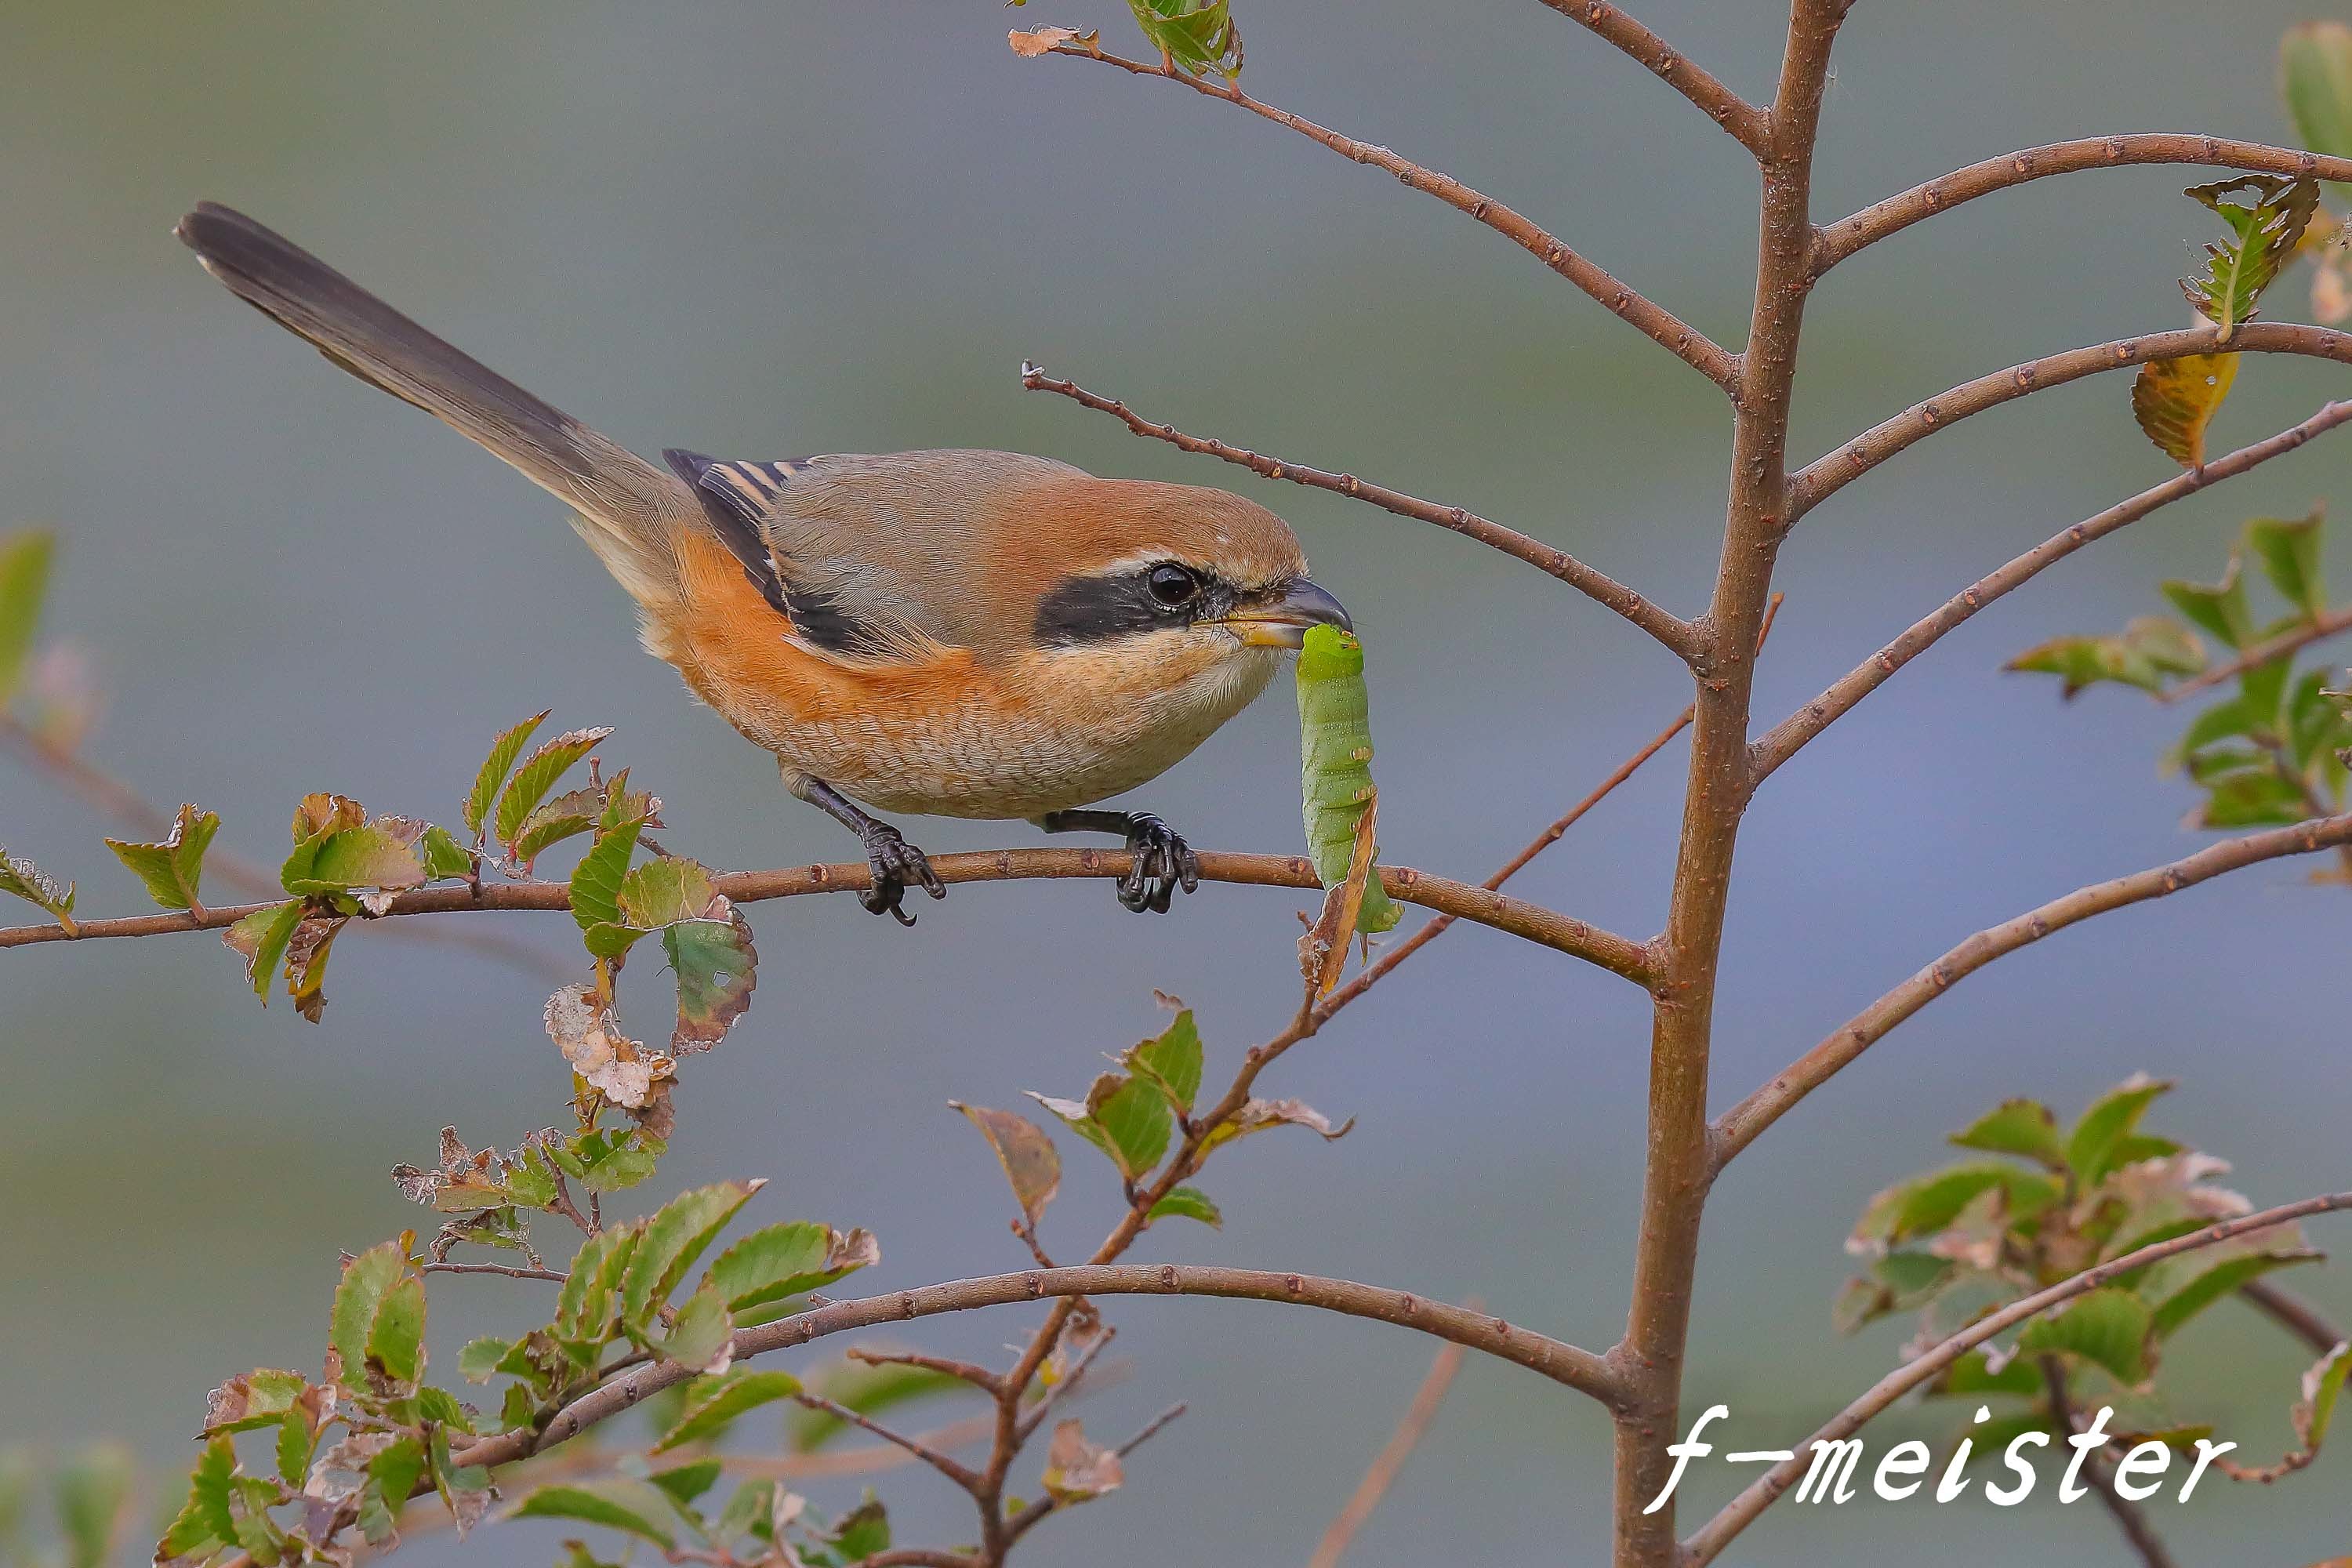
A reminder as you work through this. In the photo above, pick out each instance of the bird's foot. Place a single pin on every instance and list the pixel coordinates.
(896, 866)
(1163, 863)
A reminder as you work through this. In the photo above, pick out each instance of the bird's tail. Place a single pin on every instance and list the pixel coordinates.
(626, 508)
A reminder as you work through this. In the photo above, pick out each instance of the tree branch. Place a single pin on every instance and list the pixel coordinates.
(1743, 120)
(1875, 222)
(1788, 737)
(1741, 1511)
(1391, 1459)
(1679, 338)
(2129, 1516)
(1676, 633)
(1832, 472)
(2293, 1313)
(1563, 1364)
(2333, 622)
(961, 1474)
(1740, 1126)
(1547, 928)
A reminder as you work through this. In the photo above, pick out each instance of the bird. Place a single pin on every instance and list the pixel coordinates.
(955, 633)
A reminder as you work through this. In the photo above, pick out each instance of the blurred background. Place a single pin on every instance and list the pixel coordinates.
(765, 230)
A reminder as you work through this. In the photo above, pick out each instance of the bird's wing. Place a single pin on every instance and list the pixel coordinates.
(872, 555)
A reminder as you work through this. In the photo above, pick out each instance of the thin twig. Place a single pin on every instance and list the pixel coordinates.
(2129, 1516)
(1740, 1126)
(1743, 120)
(980, 1377)
(510, 1270)
(1785, 737)
(1549, 928)
(961, 1474)
(2293, 1313)
(2328, 624)
(1066, 1385)
(1383, 1475)
(1875, 222)
(1678, 337)
(1602, 589)
(1563, 1364)
(1736, 1516)
(1828, 474)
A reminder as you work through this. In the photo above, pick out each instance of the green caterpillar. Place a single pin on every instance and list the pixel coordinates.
(1335, 752)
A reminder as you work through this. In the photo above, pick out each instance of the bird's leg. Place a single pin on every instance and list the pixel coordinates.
(894, 862)
(1163, 861)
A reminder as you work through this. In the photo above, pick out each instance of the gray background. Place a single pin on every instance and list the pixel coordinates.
(765, 230)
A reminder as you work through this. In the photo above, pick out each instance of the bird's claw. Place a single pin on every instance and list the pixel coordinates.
(895, 865)
(1163, 863)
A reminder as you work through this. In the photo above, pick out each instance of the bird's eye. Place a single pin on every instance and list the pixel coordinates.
(1173, 584)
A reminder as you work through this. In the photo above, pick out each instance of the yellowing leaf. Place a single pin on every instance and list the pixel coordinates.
(2175, 399)
(1030, 1161)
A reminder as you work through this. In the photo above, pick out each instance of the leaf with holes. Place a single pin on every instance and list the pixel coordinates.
(2267, 215)
(2175, 399)
(174, 869)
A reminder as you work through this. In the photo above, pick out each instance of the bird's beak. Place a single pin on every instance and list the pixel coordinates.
(1281, 620)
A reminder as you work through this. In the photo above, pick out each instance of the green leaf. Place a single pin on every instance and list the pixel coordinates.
(684, 1483)
(712, 1403)
(620, 1502)
(781, 1261)
(1189, 1203)
(2111, 1329)
(92, 1494)
(1196, 35)
(863, 1533)
(596, 880)
(2267, 215)
(2288, 551)
(296, 1443)
(538, 774)
(717, 967)
(261, 937)
(2173, 401)
(204, 1524)
(565, 816)
(2221, 1280)
(2090, 1147)
(2316, 79)
(2322, 1385)
(493, 773)
(2148, 649)
(2218, 608)
(1972, 1376)
(2026, 1127)
(1898, 1282)
(701, 1334)
(1031, 1164)
(583, 1308)
(444, 855)
(30, 882)
(374, 856)
(2251, 800)
(870, 1390)
(1124, 1116)
(360, 1295)
(674, 1238)
(173, 871)
(25, 560)
(479, 1361)
(396, 1341)
(1927, 1203)
(1170, 1063)
(252, 1400)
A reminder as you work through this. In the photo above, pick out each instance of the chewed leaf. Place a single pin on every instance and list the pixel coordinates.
(2175, 399)
(717, 967)
(1257, 1115)
(538, 774)
(24, 580)
(173, 871)
(2267, 215)
(30, 882)
(1076, 1469)
(1030, 1161)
